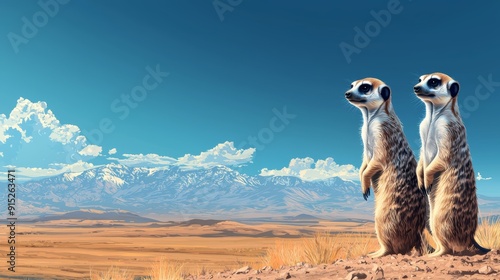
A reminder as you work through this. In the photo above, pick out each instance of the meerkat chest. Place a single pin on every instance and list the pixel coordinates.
(370, 134)
(436, 129)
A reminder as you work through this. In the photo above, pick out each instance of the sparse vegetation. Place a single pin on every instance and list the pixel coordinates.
(165, 270)
(113, 273)
(321, 248)
(488, 233)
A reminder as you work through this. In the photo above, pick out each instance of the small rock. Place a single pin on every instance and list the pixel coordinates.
(379, 272)
(243, 270)
(454, 272)
(347, 267)
(362, 262)
(418, 268)
(428, 269)
(404, 276)
(356, 275)
(486, 270)
(285, 275)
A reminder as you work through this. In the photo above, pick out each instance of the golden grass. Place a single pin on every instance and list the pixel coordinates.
(165, 270)
(113, 273)
(321, 248)
(488, 233)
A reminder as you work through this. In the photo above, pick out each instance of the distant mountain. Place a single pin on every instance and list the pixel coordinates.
(177, 194)
(302, 217)
(120, 216)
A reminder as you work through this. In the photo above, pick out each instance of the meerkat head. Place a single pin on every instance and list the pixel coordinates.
(369, 93)
(437, 88)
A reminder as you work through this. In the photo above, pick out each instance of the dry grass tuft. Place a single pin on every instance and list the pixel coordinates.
(488, 233)
(165, 270)
(321, 248)
(113, 273)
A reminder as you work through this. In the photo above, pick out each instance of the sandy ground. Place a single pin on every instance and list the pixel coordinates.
(71, 249)
(389, 267)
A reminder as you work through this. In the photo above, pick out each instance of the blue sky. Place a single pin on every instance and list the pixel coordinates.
(231, 76)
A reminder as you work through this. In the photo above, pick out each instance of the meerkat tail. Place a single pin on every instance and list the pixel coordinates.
(481, 249)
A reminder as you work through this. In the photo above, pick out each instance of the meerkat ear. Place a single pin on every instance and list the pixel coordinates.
(385, 92)
(453, 87)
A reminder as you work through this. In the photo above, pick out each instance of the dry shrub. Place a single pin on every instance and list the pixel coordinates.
(488, 233)
(165, 270)
(321, 248)
(113, 273)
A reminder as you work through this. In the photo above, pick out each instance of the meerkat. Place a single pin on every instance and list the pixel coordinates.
(389, 167)
(444, 169)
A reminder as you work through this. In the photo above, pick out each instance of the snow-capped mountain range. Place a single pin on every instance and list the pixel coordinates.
(176, 193)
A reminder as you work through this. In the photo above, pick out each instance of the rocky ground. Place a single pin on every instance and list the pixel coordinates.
(389, 267)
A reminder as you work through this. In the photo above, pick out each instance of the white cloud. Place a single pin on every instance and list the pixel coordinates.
(222, 154)
(25, 173)
(112, 151)
(309, 170)
(149, 160)
(91, 150)
(32, 136)
(481, 178)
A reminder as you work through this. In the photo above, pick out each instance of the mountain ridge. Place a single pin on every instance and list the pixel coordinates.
(211, 193)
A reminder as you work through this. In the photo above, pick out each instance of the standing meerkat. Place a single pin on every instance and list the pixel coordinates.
(389, 167)
(445, 167)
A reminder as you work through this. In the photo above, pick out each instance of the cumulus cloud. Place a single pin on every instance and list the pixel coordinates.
(222, 154)
(27, 173)
(148, 160)
(91, 150)
(309, 170)
(32, 136)
(481, 178)
(112, 151)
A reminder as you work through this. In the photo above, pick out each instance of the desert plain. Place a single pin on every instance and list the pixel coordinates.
(82, 249)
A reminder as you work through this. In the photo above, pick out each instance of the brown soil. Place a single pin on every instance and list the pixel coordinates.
(388, 267)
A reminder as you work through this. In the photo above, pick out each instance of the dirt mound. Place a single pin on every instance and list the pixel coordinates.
(389, 267)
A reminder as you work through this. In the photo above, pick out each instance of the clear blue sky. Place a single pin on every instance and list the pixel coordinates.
(226, 77)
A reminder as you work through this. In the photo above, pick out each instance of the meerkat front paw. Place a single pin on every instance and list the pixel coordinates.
(365, 189)
(428, 183)
(420, 176)
(366, 194)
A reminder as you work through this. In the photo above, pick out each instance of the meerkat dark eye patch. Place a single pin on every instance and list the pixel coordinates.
(454, 88)
(433, 82)
(385, 92)
(365, 88)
